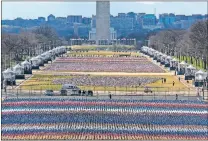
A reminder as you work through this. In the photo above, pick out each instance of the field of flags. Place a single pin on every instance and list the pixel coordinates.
(65, 118)
(105, 64)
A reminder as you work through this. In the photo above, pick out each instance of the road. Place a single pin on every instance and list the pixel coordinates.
(103, 96)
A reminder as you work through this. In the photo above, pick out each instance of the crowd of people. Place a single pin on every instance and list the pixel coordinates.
(105, 64)
(64, 118)
(108, 81)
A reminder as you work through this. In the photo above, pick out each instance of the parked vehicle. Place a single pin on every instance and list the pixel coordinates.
(49, 93)
(70, 89)
(63, 92)
(147, 90)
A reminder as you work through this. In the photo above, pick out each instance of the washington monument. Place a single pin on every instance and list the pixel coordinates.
(102, 21)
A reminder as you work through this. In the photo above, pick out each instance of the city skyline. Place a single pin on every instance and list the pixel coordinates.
(87, 9)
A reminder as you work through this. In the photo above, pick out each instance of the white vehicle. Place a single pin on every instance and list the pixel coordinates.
(70, 89)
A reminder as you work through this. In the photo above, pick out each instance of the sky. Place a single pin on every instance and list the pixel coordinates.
(33, 10)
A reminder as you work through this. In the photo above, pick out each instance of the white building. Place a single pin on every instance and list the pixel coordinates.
(92, 34)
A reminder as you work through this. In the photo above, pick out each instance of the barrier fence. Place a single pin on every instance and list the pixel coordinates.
(116, 92)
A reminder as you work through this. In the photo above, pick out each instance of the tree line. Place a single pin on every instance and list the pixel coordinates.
(17, 47)
(190, 45)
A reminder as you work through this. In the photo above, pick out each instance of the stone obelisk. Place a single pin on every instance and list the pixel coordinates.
(102, 21)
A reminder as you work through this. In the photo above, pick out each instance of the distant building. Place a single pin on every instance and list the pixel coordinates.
(92, 34)
(76, 29)
(121, 15)
(141, 14)
(149, 20)
(167, 19)
(93, 21)
(121, 23)
(61, 19)
(139, 19)
(134, 17)
(177, 25)
(153, 27)
(185, 24)
(205, 17)
(51, 18)
(74, 19)
(86, 20)
(197, 16)
(83, 30)
(19, 19)
(180, 17)
(41, 19)
(194, 18)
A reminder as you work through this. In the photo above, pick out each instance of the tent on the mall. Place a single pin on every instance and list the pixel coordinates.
(167, 61)
(9, 77)
(151, 52)
(181, 68)
(53, 55)
(40, 60)
(143, 49)
(200, 78)
(159, 56)
(173, 64)
(49, 56)
(27, 67)
(63, 49)
(57, 51)
(45, 58)
(35, 63)
(19, 72)
(163, 59)
(155, 55)
(190, 72)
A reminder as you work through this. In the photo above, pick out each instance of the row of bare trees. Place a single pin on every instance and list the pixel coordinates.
(17, 47)
(191, 44)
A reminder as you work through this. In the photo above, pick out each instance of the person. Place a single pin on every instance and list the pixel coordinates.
(164, 80)
(198, 91)
(110, 96)
(83, 92)
(173, 83)
(5, 88)
(175, 72)
(179, 79)
(79, 92)
(176, 96)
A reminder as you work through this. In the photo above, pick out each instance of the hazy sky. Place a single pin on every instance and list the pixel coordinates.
(32, 10)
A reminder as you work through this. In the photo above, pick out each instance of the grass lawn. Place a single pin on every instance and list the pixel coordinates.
(104, 53)
(168, 86)
(77, 47)
(43, 82)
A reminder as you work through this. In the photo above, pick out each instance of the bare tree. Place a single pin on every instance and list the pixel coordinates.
(46, 33)
(199, 37)
(16, 47)
(165, 41)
